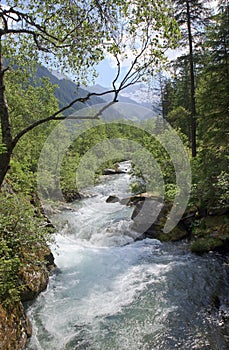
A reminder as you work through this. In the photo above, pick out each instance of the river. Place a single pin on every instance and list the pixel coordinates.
(112, 293)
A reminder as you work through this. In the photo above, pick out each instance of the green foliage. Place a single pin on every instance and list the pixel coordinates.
(23, 235)
(9, 269)
(179, 118)
(213, 108)
(88, 151)
(28, 103)
(210, 166)
(151, 164)
(74, 36)
(222, 189)
(170, 191)
(29, 100)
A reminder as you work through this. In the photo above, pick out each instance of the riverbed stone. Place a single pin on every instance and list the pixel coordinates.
(71, 195)
(112, 199)
(113, 171)
(145, 216)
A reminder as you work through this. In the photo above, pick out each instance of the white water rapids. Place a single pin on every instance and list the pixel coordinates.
(111, 293)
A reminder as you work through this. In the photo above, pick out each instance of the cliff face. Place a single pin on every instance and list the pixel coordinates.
(15, 327)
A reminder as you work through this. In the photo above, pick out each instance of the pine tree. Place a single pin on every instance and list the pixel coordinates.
(213, 106)
(191, 16)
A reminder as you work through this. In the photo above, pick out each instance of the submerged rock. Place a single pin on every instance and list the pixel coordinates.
(113, 171)
(112, 199)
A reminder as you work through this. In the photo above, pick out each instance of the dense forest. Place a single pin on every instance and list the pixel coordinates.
(73, 37)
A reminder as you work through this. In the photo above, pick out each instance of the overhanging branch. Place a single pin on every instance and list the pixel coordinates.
(57, 116)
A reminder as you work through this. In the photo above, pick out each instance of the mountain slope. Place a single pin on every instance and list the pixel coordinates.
(67, 91)
(134, 94)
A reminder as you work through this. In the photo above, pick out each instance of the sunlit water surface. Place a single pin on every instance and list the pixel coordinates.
(112, 293)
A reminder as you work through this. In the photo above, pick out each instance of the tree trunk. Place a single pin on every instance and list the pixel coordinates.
(6, 129)
(4, 165)
(192, 83)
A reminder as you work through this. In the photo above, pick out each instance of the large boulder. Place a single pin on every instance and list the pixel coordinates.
(149, 218)
(211, 233)
(71, 195)
(35, 277)
(145, 216)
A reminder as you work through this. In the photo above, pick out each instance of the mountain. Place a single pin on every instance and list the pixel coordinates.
(128, 111)
(129, 108)
(67, 91)
(99, 89)
(135, 94)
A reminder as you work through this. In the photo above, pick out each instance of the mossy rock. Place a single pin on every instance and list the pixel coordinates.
(176, 234)
(217, 225)
(204, 245)
(212, 234)
(34, 274)
(71, 195)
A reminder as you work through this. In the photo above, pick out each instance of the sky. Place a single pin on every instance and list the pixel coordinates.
(106, 73)
(107, 70)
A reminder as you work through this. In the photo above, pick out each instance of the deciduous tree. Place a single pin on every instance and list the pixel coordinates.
(73, 36)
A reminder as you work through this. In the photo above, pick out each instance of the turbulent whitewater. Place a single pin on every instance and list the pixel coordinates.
(112, 293)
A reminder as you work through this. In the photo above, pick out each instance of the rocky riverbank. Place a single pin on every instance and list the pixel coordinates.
(206, 232)
(15, 327)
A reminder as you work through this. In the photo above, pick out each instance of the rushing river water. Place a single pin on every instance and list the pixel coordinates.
(110, 295)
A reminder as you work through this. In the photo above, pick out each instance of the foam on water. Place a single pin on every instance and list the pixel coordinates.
(94, 283)
(112, 293)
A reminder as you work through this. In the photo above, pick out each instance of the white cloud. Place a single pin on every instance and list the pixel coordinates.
(10, 21)
(124, 61)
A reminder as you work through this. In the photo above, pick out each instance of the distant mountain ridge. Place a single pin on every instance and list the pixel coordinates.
(67, 91)
(100, 89)
(134, 94)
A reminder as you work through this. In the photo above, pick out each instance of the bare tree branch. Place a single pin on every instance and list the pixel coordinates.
(129, 74)
(118, 71)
